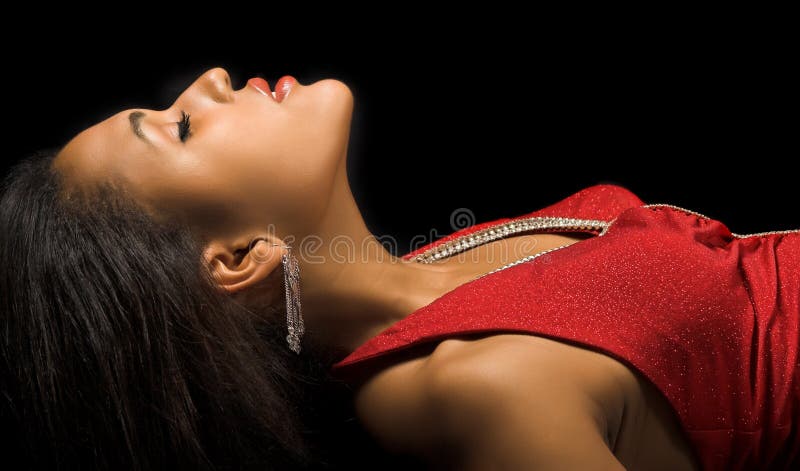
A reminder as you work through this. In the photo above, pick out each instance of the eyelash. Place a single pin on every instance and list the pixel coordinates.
(184, 127)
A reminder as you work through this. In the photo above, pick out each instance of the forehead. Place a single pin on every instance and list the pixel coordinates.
(101, 152)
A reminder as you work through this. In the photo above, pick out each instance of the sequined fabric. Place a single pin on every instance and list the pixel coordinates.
(712, 320)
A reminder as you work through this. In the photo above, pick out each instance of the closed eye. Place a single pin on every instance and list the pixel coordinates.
(184, 126)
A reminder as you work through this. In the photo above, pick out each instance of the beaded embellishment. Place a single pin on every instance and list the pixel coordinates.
(540, 225)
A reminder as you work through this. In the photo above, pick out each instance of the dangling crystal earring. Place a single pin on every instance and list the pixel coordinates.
(294, 315)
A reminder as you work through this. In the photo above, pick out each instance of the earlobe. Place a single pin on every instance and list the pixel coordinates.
(237, 266)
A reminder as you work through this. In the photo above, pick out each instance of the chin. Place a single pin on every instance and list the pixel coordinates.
(322, 150)
(336, 97)
(333, 100)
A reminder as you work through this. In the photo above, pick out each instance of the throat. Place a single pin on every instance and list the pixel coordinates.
(358, 301)
(365, 299)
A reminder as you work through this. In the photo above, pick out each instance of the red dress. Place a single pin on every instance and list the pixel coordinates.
(711, 318)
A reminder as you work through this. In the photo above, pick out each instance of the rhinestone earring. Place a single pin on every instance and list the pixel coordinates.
(294, 316)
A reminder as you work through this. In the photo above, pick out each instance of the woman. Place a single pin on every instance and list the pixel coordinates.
(596, 333)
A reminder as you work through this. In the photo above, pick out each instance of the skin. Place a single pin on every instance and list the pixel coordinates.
(253, 168)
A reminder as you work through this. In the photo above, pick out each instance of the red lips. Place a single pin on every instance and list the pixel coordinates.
(282, 87)
(261, 85)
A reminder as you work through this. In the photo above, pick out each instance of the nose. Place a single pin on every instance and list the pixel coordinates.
(216, 83)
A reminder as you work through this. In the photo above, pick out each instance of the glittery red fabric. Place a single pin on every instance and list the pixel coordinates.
(712, 320)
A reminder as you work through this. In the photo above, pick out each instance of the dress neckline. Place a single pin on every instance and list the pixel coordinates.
(605, 203)
(595, 206)
(591, 210)
(505, 228)
(502, 230)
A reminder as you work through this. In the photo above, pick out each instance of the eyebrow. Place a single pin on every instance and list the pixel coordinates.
(136, 125)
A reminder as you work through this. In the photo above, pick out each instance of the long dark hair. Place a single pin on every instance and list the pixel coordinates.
(117, 350)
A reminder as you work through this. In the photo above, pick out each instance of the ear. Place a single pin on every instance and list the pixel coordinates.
(239, 265)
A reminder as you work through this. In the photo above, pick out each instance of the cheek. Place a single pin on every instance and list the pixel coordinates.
(280, 163)
(185, 188)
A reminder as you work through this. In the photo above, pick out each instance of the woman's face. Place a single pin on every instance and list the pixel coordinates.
(246, 159)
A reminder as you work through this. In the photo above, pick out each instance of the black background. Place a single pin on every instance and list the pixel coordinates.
(498, 115)
(497, 120)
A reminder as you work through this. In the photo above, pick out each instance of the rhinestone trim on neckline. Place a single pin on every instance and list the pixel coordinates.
(543, 224)
(505, 229)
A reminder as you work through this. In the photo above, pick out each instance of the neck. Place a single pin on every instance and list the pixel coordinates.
(352, 287)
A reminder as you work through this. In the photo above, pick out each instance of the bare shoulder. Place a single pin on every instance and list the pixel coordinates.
(542, 398)
(548, 392)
